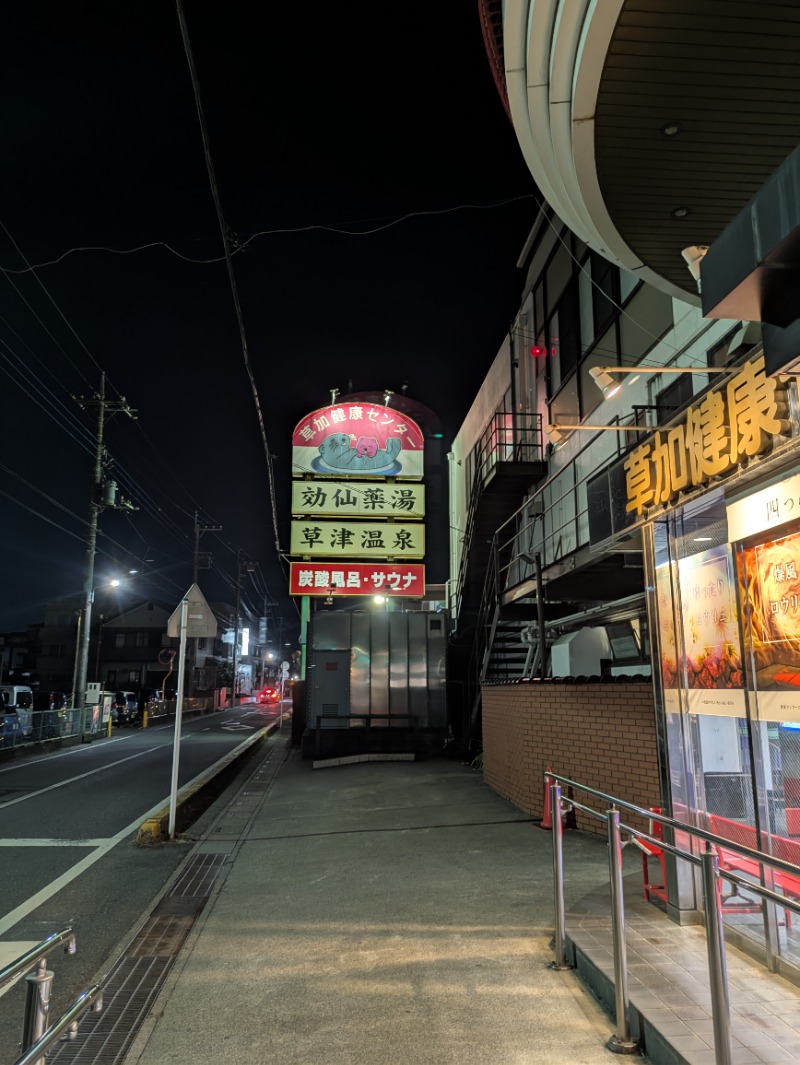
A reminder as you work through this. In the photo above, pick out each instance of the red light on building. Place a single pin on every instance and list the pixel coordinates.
(537, 351)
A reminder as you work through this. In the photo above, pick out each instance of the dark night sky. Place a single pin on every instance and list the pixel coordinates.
(350, 115)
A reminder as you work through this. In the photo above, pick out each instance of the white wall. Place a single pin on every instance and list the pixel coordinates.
(489, 398)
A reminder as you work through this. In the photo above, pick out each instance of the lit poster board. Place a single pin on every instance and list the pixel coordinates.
(712, 648)
(361, 440)
(357, 539)
(357, 578)
(666, 639)
(357, 499)
(770, 587)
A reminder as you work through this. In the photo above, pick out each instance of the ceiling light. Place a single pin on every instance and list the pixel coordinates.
(702, 539)
(670, 129)
(681, 212)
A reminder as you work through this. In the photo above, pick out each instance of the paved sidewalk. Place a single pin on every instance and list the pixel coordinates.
(379, 913)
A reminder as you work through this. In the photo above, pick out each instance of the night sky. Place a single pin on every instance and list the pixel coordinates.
(346, 116)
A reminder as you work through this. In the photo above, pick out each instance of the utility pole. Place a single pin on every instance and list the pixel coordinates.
(198, 532)
(103, 494)
(249, 567)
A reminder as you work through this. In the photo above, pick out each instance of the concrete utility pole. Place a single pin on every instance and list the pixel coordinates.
(205, 558)
(103, 494)
(198, 532)
(249, 567)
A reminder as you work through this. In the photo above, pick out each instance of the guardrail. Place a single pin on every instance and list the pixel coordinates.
(707, 861)
(40, 982)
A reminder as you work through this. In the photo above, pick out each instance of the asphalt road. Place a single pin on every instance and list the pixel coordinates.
(67, 855)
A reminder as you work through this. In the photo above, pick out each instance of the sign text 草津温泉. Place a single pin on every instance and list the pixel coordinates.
(357, 539)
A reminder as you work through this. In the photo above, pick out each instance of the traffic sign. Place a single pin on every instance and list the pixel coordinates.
(200, 620)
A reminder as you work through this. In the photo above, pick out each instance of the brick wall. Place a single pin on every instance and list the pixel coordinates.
(602, 735)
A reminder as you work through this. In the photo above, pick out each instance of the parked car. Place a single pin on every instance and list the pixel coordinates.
(19, 698)
(125, 710)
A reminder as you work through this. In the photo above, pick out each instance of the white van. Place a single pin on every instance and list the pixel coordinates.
(18, 697)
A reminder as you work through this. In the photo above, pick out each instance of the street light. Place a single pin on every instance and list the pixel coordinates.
(84, 635)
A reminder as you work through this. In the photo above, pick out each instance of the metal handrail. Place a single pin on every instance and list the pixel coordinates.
(31, 958)
(708, 861)
(40, 982)
(67, 1022)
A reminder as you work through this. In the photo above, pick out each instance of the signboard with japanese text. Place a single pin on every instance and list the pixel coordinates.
(356, 578)
(761, 511)
(727, 426)
(357, 539)
(354, 499)
(711, 645)
(362, 440)
(769, 587)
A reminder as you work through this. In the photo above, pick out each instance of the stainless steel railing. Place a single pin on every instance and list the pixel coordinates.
(67, 1024)
(40, 982)
(707, 861)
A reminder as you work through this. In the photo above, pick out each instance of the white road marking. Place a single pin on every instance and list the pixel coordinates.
(47, 892)
(82, 749)
(52, 842)
(72, 780)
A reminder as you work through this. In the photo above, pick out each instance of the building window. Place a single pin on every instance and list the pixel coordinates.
(604, 305)
(141, 639)
(119, 639)
(201, 643)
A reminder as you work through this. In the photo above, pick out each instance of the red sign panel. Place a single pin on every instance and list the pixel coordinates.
(358, 440)
(356, 578)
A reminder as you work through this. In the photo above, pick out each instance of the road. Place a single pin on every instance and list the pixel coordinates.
(67, 824)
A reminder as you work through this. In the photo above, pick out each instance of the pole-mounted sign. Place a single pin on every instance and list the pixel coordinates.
(193, 618)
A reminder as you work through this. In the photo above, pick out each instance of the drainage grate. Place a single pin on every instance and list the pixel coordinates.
(104, 1038)
(134, 982)
(199, 875)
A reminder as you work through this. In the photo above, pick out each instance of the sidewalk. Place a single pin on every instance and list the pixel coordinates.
(402, 913)
(393, 912)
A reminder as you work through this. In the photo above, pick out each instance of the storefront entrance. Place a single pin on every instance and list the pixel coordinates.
(725, 611)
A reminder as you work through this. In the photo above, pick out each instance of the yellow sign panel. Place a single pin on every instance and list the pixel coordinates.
(355, 499)
(357, 539)
(727, 426)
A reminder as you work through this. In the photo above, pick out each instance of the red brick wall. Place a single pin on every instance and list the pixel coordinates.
(602, 735)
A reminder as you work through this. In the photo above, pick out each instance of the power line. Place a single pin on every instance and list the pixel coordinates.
(226, 243)
(324, 227)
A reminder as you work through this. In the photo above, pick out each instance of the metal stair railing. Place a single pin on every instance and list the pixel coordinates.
(488, 615)
(509, 437)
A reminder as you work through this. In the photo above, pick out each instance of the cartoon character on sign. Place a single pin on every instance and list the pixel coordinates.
(367, 445)
(340, 452)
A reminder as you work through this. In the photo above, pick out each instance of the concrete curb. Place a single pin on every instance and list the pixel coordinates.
(154, 829)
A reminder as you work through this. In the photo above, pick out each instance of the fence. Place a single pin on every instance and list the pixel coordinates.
(19, 728)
